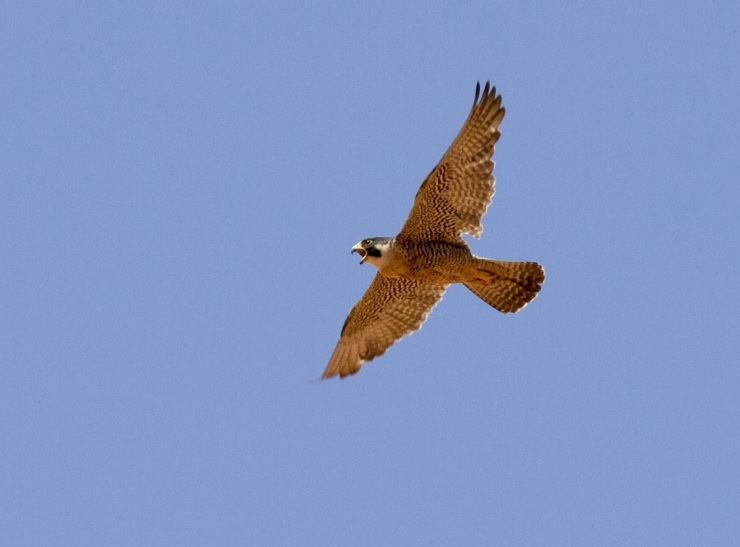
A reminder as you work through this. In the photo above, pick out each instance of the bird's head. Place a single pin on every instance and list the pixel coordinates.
(373, 250)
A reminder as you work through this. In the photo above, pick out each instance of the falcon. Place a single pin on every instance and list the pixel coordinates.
(428, 254)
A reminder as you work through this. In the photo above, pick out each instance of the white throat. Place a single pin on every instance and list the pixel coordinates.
(383, 260)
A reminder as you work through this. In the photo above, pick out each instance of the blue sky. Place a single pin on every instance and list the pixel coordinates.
(179, 190)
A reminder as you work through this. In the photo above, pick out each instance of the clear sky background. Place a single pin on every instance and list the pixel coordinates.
(179, 190)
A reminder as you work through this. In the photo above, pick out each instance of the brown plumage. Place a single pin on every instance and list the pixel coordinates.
(416, 267)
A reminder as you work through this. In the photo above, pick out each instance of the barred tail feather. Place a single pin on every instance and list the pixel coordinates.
(507, 286)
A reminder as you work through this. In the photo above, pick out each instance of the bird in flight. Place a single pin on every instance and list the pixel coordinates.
(416, 266)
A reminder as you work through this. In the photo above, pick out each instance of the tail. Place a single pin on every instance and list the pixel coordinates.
(507, 286)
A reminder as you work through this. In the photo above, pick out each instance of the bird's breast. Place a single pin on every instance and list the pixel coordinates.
(431, 262)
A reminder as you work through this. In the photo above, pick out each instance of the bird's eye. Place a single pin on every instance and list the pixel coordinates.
(367, 242)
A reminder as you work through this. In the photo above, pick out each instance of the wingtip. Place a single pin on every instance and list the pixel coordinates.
(342, 375)
(334, 369)
(328, 374)
(488, 91)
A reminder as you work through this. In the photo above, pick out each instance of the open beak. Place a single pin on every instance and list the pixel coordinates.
(360, 251)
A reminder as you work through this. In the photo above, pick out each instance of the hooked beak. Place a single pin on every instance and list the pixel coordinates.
(360, 251)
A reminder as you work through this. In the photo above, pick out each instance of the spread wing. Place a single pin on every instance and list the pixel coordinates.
(454, 197)
(391, 307)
